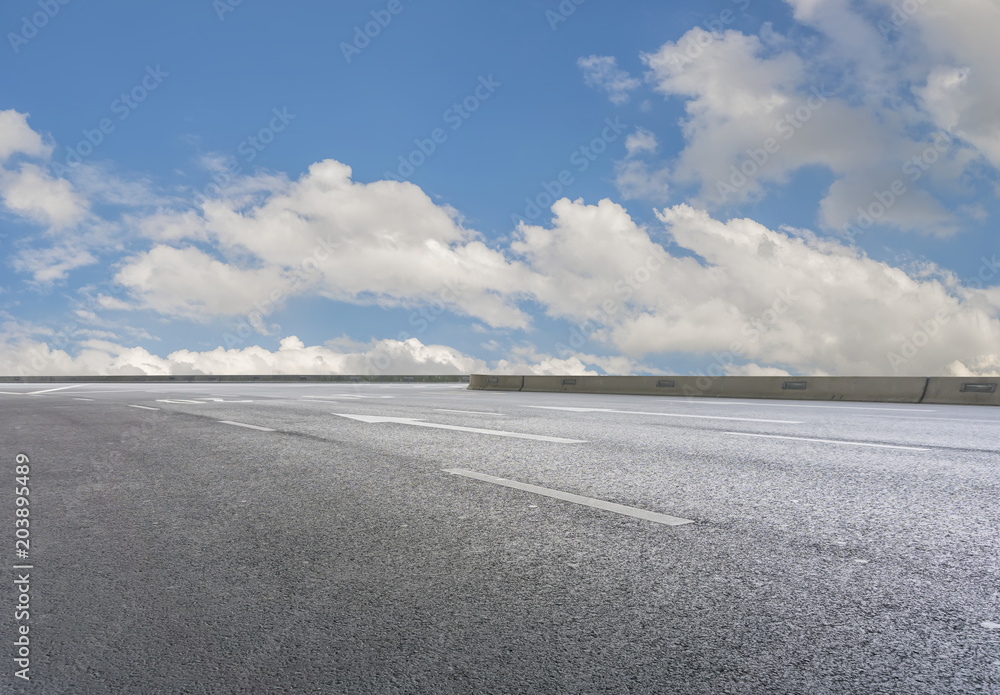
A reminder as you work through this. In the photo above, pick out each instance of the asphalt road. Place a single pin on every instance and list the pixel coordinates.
(831, 547)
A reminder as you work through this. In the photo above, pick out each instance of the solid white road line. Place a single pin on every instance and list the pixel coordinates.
(804, 405)
(83, 399)
(829, 441)
(939, 419)
(642, 412)
(470, 412)
(116, 391)
(420, 423)
(60, 388)
(144, 407)
(577, 499)
(243, 424)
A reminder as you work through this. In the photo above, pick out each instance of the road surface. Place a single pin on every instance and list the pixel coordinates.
(412, 538)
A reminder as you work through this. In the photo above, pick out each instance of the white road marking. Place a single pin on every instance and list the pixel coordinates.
(144, 407)
(243, 424)
(940, 419)
(83, 399)
(829, 441)
(116, 391)
(60, 388)
(642, 412)
(346, 395)
(804, 405)
(202, 401)
(577, 499)
(420, 423)
(470, 412)
(36, 393)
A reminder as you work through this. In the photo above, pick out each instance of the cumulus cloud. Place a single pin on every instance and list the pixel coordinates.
(26, 189)
(953, 63)
(602, 72)
(49, 265)
(861, 102)
(189, 283)
(17, 137)
(100, 357)
(104, 358)
(641, 140)
(753, 117)
(32, 193)
(383, 243)
(751, 295)
(637, 179)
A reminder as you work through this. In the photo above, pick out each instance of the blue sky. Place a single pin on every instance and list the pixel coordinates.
(398, 186)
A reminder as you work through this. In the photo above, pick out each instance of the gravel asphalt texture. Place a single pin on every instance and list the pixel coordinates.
(174, 553)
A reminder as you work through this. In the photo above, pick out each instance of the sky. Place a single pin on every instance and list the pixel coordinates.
(533, 187)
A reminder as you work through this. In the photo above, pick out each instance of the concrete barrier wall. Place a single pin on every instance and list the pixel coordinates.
(953, 390)
(495, 382)
(940, 390)
(963, 389)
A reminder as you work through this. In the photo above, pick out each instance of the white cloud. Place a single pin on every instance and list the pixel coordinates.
(32, 193)
(753, 117)
(637, 180)
(189, 283)
(17, 137)
(760, 109)
(954, 46)
(382, 243)
(783, 300)
(52, 264)
(602, 72)
(28, 190)
(641, 140)
(101, 358)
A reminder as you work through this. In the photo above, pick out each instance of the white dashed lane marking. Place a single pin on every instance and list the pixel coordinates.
(420, 423)
(467, 412)
(643, 412)
(59, 388)
(576, 499)
(243, 424)
(829, 441)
